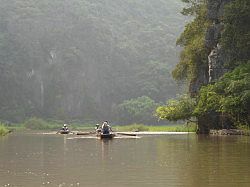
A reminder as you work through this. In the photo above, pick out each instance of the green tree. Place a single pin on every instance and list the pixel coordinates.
(177, 109)
(230, 96)
(236, 35)
(194, 54)
(137, 110)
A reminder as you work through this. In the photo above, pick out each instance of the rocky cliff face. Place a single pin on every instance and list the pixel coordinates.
(216, 60)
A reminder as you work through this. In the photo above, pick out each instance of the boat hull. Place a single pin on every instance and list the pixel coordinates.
(64, 132)
(106, 136)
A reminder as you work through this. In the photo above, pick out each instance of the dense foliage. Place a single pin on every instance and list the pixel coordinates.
(236, 36)
(182, 108)
(192, 39)
(80, 59)
(228, 97)
(3, 130)
(139, 110)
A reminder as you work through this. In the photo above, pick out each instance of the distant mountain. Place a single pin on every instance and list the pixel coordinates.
(79, 59)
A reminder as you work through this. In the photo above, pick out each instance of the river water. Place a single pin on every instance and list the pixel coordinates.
(34, 160)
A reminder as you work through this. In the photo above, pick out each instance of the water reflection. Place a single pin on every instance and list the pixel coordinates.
(105, 143)
(173, 160)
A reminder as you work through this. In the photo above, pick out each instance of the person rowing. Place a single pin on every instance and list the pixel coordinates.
(98, 128)
(106, 129)
(64, 129)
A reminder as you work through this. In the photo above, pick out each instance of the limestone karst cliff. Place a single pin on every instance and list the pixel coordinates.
(215, 67)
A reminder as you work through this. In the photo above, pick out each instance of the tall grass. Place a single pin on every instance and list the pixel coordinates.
(3, 130)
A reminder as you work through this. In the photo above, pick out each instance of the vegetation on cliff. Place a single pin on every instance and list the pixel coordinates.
(236, 35)
(193, 40)
(229, 96)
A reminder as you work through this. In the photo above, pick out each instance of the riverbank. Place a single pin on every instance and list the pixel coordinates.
(230, 132)
(166, 128)
(40, 124)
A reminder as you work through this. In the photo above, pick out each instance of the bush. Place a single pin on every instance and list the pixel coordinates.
(137, 110)
(3, 130)
(36, 124)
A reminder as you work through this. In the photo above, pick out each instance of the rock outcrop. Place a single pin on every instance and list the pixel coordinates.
(216, 60)
(229, 132)
(217, 57)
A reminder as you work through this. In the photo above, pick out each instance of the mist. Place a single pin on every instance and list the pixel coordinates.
(87, 60)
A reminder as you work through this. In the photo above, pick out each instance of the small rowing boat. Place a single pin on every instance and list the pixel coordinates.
(63, 132)
(107, 136)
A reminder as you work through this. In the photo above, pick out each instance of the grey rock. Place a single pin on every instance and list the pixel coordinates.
(216, 61)
(228, 132)
(215, 68)
(213, 35)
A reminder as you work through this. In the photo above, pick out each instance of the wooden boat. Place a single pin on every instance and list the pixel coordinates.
(107, 136)
(64, 132)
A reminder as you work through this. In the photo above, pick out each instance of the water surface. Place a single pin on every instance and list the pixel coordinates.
(33, 160)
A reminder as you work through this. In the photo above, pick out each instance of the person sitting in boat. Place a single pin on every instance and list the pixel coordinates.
(98, 128)
(65, 128)
(106, 129)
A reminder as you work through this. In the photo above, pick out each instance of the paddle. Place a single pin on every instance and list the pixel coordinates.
(125, 134)
(84, 133)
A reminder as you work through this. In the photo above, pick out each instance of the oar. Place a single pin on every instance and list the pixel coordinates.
(84, 133)
(126, 134)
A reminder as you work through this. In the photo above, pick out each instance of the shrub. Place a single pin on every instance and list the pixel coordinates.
(3, 130)
(36, 124)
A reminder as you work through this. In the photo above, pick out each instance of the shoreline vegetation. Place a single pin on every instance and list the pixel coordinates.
(54, 125)
(165, 128)
(51, 125)
(3, 130)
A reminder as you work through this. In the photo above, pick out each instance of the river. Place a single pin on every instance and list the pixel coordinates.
(36, 159)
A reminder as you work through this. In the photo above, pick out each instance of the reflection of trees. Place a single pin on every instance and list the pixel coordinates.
(204, 160)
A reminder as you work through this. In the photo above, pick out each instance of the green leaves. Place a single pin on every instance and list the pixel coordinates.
(138, 110)
(208, 100)
(230, 95)
(236, 36)
(174, 110)
(193, 41)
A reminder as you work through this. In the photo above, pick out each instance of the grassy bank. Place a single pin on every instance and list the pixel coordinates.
(54, 125)
(3, 130)
(168, 128)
